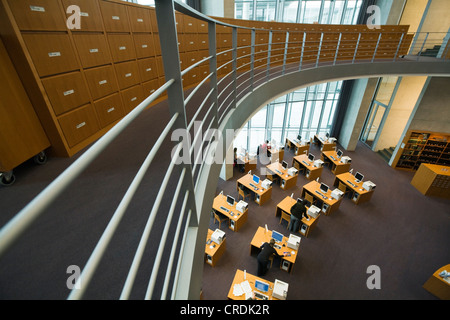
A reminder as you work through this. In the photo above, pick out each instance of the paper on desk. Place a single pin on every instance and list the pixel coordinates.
(240, 289)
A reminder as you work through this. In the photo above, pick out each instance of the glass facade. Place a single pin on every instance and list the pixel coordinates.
(307, 111)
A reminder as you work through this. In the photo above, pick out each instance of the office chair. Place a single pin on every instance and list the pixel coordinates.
(343, 188)
(219, 217)
(309, 197)
(243, 194)
(286, 217)
(272, 177)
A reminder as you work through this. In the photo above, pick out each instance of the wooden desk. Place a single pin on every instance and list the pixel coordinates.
(299, 148)
(261, 195)
(262, 236)
(311, 172)
(438, 286)
(324, 144)
(337, 166)
(249, 164)
(213, 251)
(286, 204)
(236, 219)
(432, 180)
(329, 204)
(360, 194)
(287, 181)
(239, 278)
(275, 153)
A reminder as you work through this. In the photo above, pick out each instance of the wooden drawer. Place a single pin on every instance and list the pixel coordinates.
(157, 44)
(144, 45)
(127, 74)
(131, 97)
(190, 25)
(224, 40)
(160, 66)
(91, 18)
(202, 42)
(188, 42)
(149, 87)
(66, 92)
(139, 19)
(202, 27)
(92, 49)
(148, 69)
(38, 15)
(101, 81)
(189, 58)
(115, 17)
(109, 109)
(153, 20)
(52, 53)
(79, 124)
(122, 47)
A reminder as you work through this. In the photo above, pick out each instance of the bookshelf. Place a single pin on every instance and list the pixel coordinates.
(423, 147)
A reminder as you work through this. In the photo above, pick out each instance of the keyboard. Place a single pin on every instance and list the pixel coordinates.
(321, 194)
(305, 163)
(260, 296)
(253, 185)
(225, 209)
(351, 183)
(332, 158)
(279, 172)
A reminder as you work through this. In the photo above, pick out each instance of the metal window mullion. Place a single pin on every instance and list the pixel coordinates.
(163, 239)
(344, 9)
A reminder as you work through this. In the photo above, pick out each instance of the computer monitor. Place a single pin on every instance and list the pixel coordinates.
(230, 200)
(359, 177)
(339, 153)
(327, 135)
(307, 203)
(261, 286)
(278, 237)
(311, 157)
(284, 164)
(299, 137)
(255, 179)
(323, 188)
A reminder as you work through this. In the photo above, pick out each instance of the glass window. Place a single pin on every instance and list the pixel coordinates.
(311, 11)
(290, 11)
(278, 115)
(243, 10)
(265, 10)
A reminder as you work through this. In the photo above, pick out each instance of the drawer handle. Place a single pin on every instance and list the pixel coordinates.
(144, 46)
(134, 99)
(128, 75)
(148, 69)
(36, 8)
(80, 125)
(115, 17)
(93, 50)
(102, 82)
(110, 110)
(153, 90)
(54, 54)
(84, 14)
(140, 20)
(66, 93)
(123, 48)
(191, 42)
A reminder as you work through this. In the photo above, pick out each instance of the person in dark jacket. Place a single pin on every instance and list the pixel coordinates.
(267, 251)
(298, 210)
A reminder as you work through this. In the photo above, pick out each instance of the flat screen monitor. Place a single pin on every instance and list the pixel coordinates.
(323, 188)
(284, 164)
(230, 200)
(307, 203)
(255, 179)
(261, 286)
(278, 237)
(299, 137)
(339, 153)
(299, 200)
(311, 157)
(359, 177)
(327, 135)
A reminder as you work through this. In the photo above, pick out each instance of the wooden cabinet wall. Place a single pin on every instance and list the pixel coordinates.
(82, 81)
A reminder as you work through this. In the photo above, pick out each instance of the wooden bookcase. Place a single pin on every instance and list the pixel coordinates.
(423, 147)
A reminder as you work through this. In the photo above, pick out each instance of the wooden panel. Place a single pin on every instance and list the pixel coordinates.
(79, 124)
(127, 74)
(131, 97)
(144, 45)
(109, 109)
(52, 53)
(139, 19)
(115, 17)
(92, 49)
(157, 44)
(66, 92)
(21, 134)
(122, 47)
(148, 69)
(149, 87)
(38, 15)
(91, 18)
(101, 81)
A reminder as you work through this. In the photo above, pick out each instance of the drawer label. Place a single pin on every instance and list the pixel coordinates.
(102, 82)
(133, 99)
(80, 125)
(95, 50)
(84, 14)
(148, 69)
(54, 54)
(115, 17)
(110, 110)
(144, 46)
(38, 9)
(140, 20)
(128, 75)
(123, 48)
(66, 93)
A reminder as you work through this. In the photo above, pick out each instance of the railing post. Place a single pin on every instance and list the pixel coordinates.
(399, 46)
(252, 58)
(376, 48)
(285, 51)
(337, 49)
(213, 69)
(423, 45)
(269, 52)
(234, 56)
(356, 49)
(303, 51)
(320, 48)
